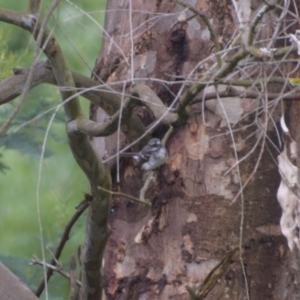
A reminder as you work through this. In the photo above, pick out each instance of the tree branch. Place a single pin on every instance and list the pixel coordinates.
(243, 94)
(97, 229)
(100, 95)
(34, 6)
(258, 16)
(186, 99)
(58, 269)
(153, 102)
(109, 126)
(144, 201)
(188, 96)
(212, 278)
(73, 291)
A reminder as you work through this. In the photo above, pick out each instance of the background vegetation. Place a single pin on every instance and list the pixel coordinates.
(76, 27)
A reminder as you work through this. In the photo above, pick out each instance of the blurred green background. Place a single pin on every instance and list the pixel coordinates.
(76, 27)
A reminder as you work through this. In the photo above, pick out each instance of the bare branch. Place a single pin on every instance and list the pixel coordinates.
(189, 95)
(243, 94)
(108, 100)
(58, 269)
(100, 95)
(73, 292)
(120, 194)
(212, 278)
(34, 7)
(153, 102)
(258, 16)
(63, 240)
(11, 87)
(109, 126)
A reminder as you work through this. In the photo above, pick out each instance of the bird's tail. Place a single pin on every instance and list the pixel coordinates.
(128, 154)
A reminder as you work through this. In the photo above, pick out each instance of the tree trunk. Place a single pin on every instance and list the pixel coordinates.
(193, 222)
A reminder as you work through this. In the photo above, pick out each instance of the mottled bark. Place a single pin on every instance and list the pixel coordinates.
(193, 222)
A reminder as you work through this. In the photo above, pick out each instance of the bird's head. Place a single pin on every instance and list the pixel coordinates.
(155, 142)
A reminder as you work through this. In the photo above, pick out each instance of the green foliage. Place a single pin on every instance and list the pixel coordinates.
(8, 58)
(28, 140)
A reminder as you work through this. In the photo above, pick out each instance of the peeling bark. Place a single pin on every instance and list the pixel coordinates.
(193, 223)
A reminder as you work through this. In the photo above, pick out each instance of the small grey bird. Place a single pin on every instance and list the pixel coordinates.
(152, 156)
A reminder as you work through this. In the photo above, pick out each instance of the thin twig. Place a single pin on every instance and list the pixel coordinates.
(120, 194)
(82, 207)
(149, 179)
(258, 16)
(130, 17)
(167, 135)
(242, 196)
(212, 278)
(73, 291)
(256, 164)
(36, 261)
